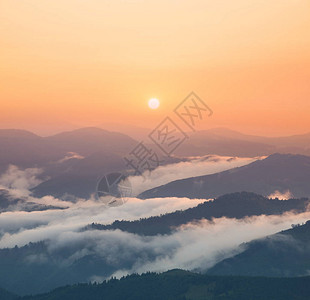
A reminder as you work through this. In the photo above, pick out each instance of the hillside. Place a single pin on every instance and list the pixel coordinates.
(223, 141)
(236, 205)
(284, 254)
(41, 266)
(86, 141)
(278, 172)
(71, 162)
(182, 285)
(5, 295)
(25, 149)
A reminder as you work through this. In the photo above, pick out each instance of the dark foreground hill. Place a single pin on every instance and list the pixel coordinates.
(236, 205)
(278, 172)
(39, 267)
(5, 295)
(284, 254)
(182, 285)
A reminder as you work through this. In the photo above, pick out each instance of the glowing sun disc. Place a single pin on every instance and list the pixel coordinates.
(153, 103)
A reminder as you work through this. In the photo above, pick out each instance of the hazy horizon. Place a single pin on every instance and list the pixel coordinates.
(71, 64)
(136, 131)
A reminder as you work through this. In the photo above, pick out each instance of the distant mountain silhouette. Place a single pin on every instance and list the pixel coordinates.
(81, 177)
(17, 133)
(281, 172)
(25, 149)
(135, 132)
(94, 151)
(284, 254)
(86, 141)
(223, 141)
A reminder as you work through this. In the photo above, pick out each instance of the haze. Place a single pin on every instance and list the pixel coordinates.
(73, 63)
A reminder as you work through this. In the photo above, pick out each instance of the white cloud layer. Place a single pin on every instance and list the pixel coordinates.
(195, 246)
(195, 167)
(19, 182)
(19, 228)
(201, 245)
(281, 196)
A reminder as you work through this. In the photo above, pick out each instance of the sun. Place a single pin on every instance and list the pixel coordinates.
(154, 103)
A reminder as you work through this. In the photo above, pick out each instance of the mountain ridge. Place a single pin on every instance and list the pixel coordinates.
(284, 254)
(277, 172)
(236, 205)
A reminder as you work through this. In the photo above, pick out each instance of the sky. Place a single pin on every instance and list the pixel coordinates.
(66, 64)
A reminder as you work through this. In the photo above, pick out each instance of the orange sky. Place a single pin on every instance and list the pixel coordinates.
(73, 63)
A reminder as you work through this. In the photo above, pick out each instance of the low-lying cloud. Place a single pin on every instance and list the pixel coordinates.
(18, 181)
(194, 246)
(70, 155)
(19, 228)
(281, 196)
(196, 166)
(198, 246)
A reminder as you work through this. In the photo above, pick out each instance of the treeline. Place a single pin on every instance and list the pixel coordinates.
(183, 285)
(236, 205)
(285, 254)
